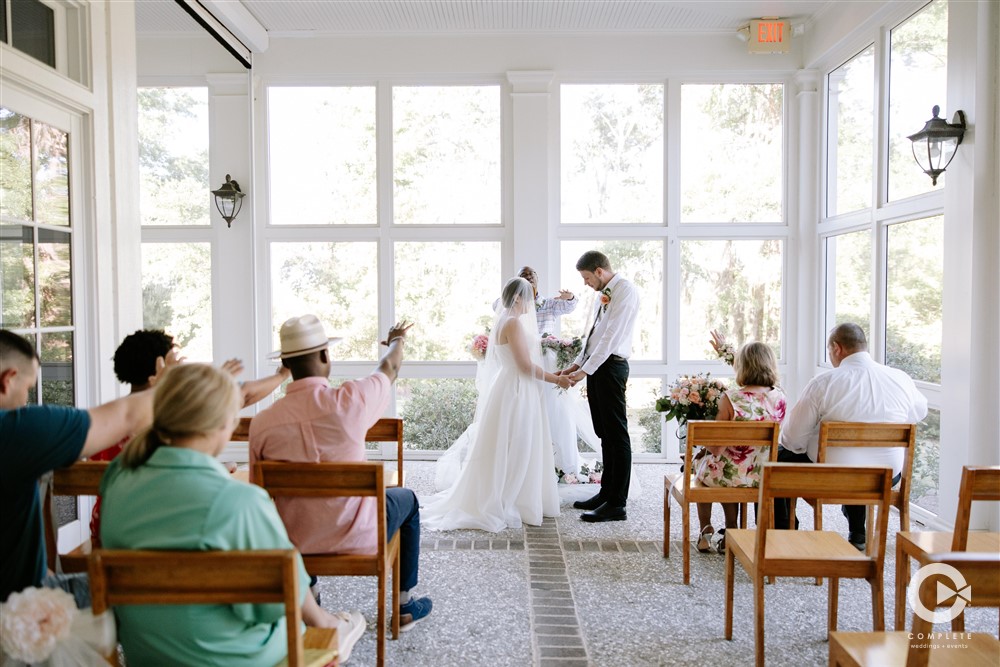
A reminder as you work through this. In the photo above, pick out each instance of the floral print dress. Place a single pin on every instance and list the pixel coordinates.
(740, 466)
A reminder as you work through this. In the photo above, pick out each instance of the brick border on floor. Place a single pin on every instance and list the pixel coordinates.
(481, 544)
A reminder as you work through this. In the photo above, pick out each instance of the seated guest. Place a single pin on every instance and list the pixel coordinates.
(857, 390)
(167, 491)
(316, 422)
(135, 360)
(35, 439)
(757, 398)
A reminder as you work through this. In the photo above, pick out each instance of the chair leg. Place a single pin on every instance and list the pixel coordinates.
(833, 600)
(395, 597)
(818, 523)
(380, 632)
(902, 580)
(743, 515)
(958, 623)
(666, 517)
(878, 604)
(870, 528)
(730, 566)
(758, 620)
(686, 537)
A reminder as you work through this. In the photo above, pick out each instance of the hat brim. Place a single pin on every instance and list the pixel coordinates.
(278, 354)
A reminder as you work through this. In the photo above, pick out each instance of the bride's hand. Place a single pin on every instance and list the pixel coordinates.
(563, 382)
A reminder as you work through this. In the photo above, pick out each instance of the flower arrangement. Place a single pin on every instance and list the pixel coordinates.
(727, 353)
(605, 298)
(566, 349)
(585, 476)
(34, 621)
(478, 346)
(692, 397)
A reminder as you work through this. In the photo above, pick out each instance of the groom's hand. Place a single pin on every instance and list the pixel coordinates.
(577, 376)
(568, 370)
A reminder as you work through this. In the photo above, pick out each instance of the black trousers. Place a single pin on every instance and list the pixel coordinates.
(606, 396)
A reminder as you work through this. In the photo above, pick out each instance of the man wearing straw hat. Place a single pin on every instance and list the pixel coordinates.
(317, 422)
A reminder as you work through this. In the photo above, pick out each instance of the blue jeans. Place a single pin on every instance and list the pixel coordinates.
(403, 514)
(77, 585)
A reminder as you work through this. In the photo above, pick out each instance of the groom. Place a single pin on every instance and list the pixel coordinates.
(604, 362)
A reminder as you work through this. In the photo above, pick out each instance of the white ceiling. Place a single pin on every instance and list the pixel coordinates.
(292, 17)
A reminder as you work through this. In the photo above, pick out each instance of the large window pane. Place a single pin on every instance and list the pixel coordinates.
(321, 153)
(611, 153)
(17, 276)
(731, 152)
(436, 411)
(926, 470)
(913, 291)
(446, 155)
(55, 278)
(918, 69)
(851, 134)
(849, 280)
(15, 165)
(173, 156)
(51, 174)
(644, 422)
(336, 282)
(177, 294)
(733, 286)
(639, 261)
(447, 290)
(56, 370)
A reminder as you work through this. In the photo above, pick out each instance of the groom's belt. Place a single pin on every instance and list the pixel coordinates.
(616, 357)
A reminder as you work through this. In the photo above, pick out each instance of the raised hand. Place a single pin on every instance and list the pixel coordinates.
(398, 330)
(718, 341)
(163, 363)
(566, 295)
(233, 366)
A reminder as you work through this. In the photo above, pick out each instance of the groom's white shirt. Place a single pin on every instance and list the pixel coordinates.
(612, 333)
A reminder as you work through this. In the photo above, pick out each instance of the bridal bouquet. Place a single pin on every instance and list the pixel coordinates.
(692, 397)
(478, 346)
(566, 349)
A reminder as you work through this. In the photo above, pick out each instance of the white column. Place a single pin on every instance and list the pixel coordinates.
(970, 354)
(533, 234)
(802, 284)
(234, 311)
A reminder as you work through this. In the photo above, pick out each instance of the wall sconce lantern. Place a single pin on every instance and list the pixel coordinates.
(934, 146)
(229, 200)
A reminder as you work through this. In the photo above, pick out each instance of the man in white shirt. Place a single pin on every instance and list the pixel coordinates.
(604, 362)
(857, 390)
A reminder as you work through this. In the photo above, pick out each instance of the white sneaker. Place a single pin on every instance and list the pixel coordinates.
(352, 626)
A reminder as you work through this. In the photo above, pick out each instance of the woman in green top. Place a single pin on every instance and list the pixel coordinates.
(167, 490)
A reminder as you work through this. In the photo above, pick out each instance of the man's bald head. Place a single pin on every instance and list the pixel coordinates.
(845, 339)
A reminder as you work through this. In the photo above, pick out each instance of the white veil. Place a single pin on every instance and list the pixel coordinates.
(516, 301)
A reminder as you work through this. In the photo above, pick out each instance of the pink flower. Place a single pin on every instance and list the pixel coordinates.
(570, 478)
(595, 478)
(33, 621)
(695, 398)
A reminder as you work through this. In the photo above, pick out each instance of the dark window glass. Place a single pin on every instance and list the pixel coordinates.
(33, 30)
(3, 20)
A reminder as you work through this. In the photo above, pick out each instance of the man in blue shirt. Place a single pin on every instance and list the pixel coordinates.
(35, 439)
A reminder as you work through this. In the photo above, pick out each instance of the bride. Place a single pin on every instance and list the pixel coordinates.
(503, 469)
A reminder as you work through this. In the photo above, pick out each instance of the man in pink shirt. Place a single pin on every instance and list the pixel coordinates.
(316, 422)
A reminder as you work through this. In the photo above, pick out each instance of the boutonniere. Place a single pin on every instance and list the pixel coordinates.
(605, 298)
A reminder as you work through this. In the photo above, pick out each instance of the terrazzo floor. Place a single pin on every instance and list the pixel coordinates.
(569, 594)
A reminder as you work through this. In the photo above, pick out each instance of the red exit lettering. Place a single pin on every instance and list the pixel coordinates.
(770, 33)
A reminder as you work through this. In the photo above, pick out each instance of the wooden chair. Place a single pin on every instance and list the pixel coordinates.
(809, 553)
(83, 478)
(341, 480)
(978, 484)
(915, 648)
(123, 577)
(385, 430)
(686, 490)
(860, 434)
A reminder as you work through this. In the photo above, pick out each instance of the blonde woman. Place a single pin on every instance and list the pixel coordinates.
(167, 490)
(757, 398)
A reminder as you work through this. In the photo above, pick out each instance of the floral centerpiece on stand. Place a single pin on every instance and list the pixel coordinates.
(692, 397)
(478, 345)
(566, 349)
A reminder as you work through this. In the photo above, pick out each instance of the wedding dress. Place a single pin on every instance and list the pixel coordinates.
(501, 471)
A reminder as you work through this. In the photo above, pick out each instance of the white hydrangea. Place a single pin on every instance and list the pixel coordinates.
(33, 621)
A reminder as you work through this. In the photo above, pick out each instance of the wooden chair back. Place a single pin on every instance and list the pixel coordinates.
(339, 480)
(850, 485)
(980, 573)
(978, 483)
(120, 577)
(860, 434)
(387, 429)
(83, 478)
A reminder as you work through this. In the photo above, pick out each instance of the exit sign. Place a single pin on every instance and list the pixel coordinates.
(770, 36)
